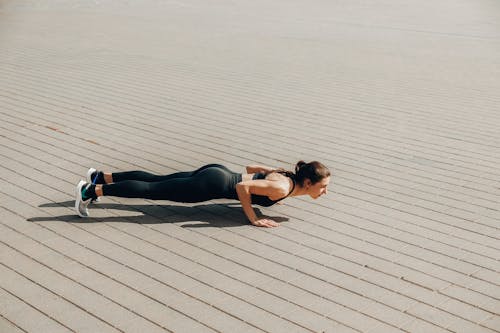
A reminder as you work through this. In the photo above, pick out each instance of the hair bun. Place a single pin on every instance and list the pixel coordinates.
(299, 165)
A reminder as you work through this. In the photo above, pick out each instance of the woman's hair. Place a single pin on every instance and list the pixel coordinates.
(314, 171)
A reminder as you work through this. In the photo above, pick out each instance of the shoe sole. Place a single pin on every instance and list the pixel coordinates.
(89, 175)
(78, 194)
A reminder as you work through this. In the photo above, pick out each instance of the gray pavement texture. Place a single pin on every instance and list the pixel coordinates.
(399, 98)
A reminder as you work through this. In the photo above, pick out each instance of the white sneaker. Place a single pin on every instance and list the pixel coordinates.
(80, 204)
(91, 181)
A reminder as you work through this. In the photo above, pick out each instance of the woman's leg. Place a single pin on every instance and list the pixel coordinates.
(205, 184)
(144, 176)
(208, 183)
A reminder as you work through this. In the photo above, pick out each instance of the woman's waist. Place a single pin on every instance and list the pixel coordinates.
(238, 178)
(234, 179)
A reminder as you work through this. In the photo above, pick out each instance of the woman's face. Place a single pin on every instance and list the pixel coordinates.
(318, 189)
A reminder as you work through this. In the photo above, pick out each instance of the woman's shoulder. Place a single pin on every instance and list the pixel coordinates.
(277, 179)
(279, 175)
(274, 176)
(282, 181)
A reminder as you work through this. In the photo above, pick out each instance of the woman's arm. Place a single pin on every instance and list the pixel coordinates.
(259, 187)
(259, 168)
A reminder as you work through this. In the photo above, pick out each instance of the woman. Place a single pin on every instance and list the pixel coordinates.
(259, 185)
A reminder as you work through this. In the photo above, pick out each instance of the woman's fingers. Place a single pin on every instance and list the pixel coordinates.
(257, 223)
(267, 223)
(271, 223)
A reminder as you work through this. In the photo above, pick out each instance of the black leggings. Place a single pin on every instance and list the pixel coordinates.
(212, 181)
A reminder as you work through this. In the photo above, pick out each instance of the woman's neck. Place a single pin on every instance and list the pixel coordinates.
(298, 190)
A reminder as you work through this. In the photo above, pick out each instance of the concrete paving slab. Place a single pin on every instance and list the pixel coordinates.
(397, 98)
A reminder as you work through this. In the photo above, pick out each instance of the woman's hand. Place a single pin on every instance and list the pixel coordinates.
(267, 223)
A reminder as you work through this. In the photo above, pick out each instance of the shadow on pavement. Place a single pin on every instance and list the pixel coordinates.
(200, 216)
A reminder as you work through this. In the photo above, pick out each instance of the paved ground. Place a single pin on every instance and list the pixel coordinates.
(399, 98)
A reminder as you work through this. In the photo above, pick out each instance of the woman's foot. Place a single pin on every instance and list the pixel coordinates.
(95, 177)
(81, 200)
(85, 194)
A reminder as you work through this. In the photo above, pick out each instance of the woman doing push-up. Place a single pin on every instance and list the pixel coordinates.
(260, 185)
